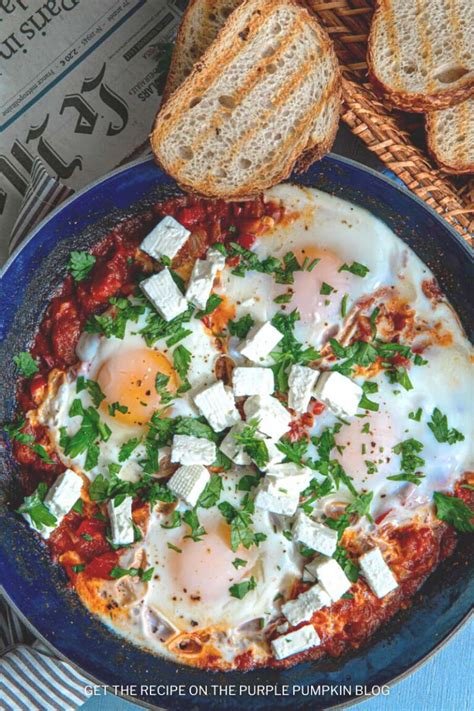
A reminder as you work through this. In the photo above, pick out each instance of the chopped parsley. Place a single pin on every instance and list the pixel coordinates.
(400, 376)
(92, 388)
(144, 575)
(241, 327)
(80, 265)
(114, 324)
(411, 463)
(369, 387)
(454, 511)
(344, 305)
(293, 451)
(127, 448)
(34, 506)
(326, 289)
(240, 521)
(117, 407)
(355, 268)
(289, 350)
(26, 364)
(240, 590)
(15, 434)
(161, 382)
(85, 438)
(190, 517)
(416, 416)
(439, 427)
(212, 492)
(181, 361)
(174, 548)
(283, 298)
(252, 445)
(239, 563)
(212, 303)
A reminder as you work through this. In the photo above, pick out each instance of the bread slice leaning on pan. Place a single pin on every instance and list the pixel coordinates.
(421, 54)
(265, 90)
(201, 22)
(450, 137)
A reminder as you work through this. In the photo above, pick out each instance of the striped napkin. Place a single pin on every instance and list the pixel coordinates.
(32, 678)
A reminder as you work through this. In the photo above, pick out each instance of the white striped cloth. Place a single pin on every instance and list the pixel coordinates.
(31, 677)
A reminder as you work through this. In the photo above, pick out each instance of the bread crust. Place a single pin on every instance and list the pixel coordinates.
(198, 80)
(434, 149)
(411, 101)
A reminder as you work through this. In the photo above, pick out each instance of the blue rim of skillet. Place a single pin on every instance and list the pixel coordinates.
(37, 588)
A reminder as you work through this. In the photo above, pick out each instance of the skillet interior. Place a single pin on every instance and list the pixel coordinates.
(37, 587)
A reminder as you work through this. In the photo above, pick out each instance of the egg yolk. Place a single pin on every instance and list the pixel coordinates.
(129, 379)
(204, 568)
(317, 293)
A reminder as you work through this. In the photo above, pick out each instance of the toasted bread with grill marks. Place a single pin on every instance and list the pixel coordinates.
(450, 137)
(266, 90)
(201, 22)
(421, 54)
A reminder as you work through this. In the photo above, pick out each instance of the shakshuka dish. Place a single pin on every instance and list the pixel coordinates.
(244, 428)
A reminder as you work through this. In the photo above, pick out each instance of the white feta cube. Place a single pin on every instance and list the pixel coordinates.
(302, 608)
(260, 341)
(188, 483)
(341, 394)
(301, 382)
(331, 577)
(378, 575)
(202, 278)
(166, 239)
(272, 495)
(294, 476)
(295, 642)
(315, 535)
(121, 522)
(252, 381)
(232, 449)
(192, 450)
(165, 296)
(216, 403)
(273, 418)
(59, 500)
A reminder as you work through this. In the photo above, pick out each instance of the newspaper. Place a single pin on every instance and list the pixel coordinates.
(80, 84)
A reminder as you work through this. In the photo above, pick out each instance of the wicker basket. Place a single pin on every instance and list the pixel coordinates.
(397, 138)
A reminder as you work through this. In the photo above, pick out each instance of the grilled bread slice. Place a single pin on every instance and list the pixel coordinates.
(200, 25)
(450, 137)
(267, 89)
(421, 54)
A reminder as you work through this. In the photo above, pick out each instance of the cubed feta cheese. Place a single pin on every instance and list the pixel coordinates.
(165, 296)
(216, 403)
(121, 522)
(338, 392)
(192, 450)
(295, 642)
(202, 278)
(60, 499)
(260, 341)
(166, 239)
(232, 449)
(188, 483)
(252, 381)
(273, 418)
(331, 577)
(302, 608)
(296, 477)
(301, 381)
(378, 575)
(315, 535)
(272, 495)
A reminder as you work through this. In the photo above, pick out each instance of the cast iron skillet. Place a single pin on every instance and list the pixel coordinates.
(38, 588)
